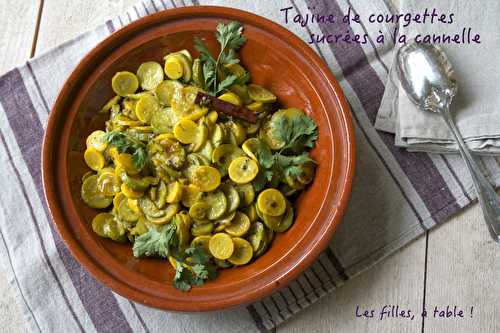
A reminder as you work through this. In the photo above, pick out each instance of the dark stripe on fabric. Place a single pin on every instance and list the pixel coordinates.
(120, 19)
(316, 277)
(183, 3)
(296, 298)
(375, 149)
(288, 304)
(196, 2)
(15, 275)
(332, 280)
(270, 312)
(154, 5)
(282, 304)
(390, 7)
(377, 55)
(163, 4)
(336, 263)
(431, 187)
(462, 187)
(28, 202)
(302, 287)
(145, 8)
(96, 299)
(129, 17)
(323, 277)
(308, 30)
(173, 3)
(256, 318)
(110, 25)
(137, 12)
(146, 329)
(313, 287)
(37, 85)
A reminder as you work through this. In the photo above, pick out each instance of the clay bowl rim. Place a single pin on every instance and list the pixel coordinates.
(287, 272)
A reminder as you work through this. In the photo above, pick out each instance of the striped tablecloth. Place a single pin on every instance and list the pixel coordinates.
(397, 196)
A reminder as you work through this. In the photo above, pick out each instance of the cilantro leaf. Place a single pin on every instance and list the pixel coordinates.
(139, 158)
(155, 242)
(291, 165)
(182, 278)
(230, 35)
(230, 39)
(209, 73)
(276, 167)
(298, 131)
(195, 271)
(264, 155)
(226, 83)
(128, 144)
(198, 255)
(205, 54)
(229, 57)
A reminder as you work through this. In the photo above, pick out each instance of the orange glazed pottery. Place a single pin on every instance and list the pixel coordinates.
(276, 59)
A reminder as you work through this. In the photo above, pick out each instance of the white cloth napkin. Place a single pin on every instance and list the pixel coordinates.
(476, 108)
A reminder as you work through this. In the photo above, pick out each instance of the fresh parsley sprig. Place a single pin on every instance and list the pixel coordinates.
(193, 265)
(298, 132)
(195, 271)
(156, 243)
(230, 39)
(126, 143)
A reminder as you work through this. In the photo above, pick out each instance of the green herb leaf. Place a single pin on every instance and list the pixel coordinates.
(205, 54)
(128, 144)
(195, 271)
(291, 165)
(198, 255)
(230, 35)
(139, 158)
(182, 278)
(264, 155)
(158, 243)
(299, 132)
(230, 39)
(226, 83)
(229, 57)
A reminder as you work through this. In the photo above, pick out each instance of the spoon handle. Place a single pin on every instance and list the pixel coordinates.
(488, 199)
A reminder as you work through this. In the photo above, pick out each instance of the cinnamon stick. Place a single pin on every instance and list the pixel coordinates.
(236, 111)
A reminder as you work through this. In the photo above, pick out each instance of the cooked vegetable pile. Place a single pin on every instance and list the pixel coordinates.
(197, 164)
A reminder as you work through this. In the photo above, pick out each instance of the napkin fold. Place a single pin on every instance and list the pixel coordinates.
(476, 107)
(397, 196)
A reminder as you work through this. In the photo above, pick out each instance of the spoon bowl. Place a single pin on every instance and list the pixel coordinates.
(426, 75)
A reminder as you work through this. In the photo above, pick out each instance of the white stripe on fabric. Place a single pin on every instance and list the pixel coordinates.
(56, 65)
(6, 262)
(25, 246)
(237, 320)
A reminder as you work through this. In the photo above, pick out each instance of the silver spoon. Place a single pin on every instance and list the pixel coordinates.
(427, 77)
